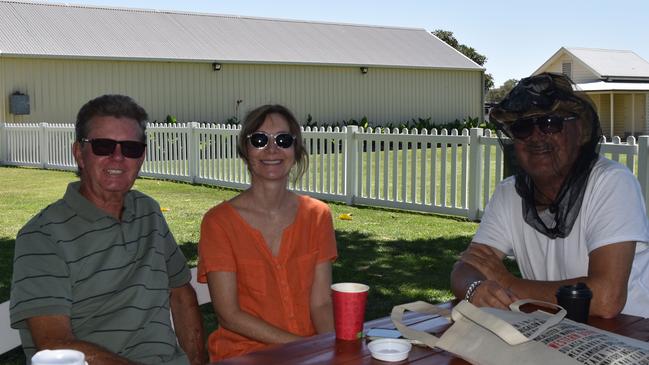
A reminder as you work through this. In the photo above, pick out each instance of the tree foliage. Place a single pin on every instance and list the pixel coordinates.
(497, 94)
(480, 59)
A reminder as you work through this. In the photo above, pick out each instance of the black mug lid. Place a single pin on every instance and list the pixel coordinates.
(579, 290)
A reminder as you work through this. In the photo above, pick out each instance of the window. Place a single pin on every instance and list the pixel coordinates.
(566, 69)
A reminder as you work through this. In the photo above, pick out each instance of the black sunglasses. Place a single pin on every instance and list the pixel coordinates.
(259, 140)
(548, 124)
(106, 147)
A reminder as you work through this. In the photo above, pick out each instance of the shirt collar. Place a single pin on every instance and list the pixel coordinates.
(88, 211)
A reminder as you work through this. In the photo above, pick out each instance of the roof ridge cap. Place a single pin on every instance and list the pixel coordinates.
(598, 49)
(183, 12)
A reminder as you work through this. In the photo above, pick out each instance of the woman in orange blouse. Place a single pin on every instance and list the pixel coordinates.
(266, 254)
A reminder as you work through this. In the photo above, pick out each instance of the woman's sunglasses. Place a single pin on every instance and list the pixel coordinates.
(106, 147)
(548, 124)
(259, 140)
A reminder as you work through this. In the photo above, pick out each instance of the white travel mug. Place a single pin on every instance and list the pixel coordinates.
(59, 357)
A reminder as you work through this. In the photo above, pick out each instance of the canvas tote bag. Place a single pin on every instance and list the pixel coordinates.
(490, 336)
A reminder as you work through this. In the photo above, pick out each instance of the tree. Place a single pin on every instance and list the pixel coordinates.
(480, 59)
(497, 94)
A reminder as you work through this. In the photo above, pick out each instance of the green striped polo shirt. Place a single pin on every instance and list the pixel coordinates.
(111, 277)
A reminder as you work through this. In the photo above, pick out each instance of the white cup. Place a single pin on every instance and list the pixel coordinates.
(59, 357)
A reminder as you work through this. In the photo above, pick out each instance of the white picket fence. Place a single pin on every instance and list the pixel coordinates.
(449, 173)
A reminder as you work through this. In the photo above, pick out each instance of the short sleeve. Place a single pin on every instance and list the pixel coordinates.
(41, 283)
(215, 246)
(176, 263)
(615, 192)
(495, 227)
(179, 273)
(326, 236)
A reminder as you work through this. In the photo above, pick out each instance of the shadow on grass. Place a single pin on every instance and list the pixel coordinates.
(6, 266)
(397, 271)
(190, 250)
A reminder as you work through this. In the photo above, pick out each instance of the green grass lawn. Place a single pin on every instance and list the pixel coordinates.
(403, 256)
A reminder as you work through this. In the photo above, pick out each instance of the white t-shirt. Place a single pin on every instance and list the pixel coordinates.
(612, 211)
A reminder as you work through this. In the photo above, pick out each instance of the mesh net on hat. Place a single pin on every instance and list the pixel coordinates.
(546, 94)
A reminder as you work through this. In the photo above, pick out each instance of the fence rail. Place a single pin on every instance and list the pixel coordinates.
(429, 171)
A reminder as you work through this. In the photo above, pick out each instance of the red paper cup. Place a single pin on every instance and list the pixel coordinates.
(349, 309)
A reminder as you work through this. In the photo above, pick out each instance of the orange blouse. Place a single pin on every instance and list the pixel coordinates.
(274, 288)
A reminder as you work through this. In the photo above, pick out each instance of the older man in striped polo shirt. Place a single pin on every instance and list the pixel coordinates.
(98, 270)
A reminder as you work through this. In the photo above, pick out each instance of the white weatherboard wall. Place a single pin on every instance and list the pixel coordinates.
(579, 72)
(193, 91)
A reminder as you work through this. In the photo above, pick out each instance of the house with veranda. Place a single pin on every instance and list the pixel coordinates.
(616, 80)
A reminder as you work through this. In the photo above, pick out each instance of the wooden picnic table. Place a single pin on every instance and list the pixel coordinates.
(325, 349)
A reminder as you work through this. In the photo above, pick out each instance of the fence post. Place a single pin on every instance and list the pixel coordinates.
(44, 145)
(194, 147)
(475, 172)
(3, 143)
(351, 164)
(643, 167)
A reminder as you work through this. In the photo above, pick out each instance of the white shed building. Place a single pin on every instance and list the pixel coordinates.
(207, 67)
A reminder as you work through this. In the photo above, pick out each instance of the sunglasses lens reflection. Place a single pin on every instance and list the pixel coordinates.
(258, 140)
(284, 140)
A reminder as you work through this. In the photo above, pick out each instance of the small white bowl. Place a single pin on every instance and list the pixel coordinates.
(390, 349)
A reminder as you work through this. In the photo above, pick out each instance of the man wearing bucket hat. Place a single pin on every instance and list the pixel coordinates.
(567, 215)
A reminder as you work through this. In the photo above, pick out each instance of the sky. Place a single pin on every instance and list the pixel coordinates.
(516, 36)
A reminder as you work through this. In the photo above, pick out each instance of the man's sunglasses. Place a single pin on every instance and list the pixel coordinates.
(106, 147)
(548, 124)
(259, 140)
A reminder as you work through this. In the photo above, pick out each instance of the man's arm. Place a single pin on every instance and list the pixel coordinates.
(609, 268)
(608, 275)
(320, 301)
(188, 323)
(55, 332)
(490, 293)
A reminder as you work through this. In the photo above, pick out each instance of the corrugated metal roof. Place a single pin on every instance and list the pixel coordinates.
(612, 63)
(29, 28)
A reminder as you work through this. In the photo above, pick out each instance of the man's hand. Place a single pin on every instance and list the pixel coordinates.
(481, 262)
(491, 294)
(488, 262)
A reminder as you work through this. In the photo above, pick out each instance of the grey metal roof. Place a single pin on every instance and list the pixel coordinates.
(29, 28)
(606, 63)
(612, 63)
